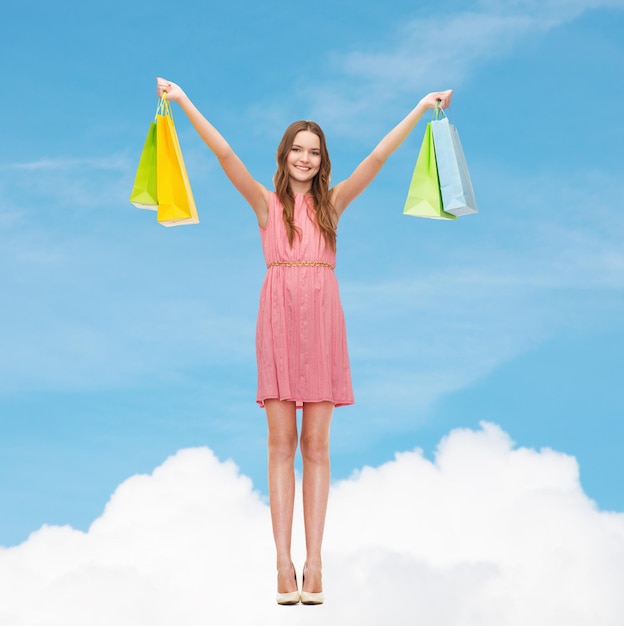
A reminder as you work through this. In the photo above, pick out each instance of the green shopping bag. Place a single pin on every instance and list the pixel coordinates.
(424, 198)
(144, 194)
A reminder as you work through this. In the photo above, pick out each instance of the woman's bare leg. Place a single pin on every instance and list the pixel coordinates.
(316, 478)
(282, 439)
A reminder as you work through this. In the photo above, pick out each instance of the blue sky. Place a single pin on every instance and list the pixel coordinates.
(122, 342)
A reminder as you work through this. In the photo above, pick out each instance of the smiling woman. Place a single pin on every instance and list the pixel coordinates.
(303, 166)
(301, 344)
(304, 159)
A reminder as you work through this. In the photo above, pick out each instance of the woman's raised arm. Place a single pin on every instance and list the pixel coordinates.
(256, 194)
(347, 190)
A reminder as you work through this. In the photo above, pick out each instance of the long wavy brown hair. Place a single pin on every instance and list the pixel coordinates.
(324, 210)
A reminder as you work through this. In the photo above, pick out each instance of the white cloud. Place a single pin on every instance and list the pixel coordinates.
(445, 317)
(429, 53)
(557, 11)
(103, 298)
(114, 163)
(440, 48)
(422, 54)
(485, 534)
(60, 190)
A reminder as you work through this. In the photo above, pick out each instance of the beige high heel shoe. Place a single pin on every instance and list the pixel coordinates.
(290, 597)
(309, 597)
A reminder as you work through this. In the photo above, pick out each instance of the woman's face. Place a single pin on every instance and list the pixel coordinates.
(304, 160)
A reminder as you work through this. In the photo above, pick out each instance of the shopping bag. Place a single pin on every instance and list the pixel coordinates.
(423, 197)
(455, 184)
(143, 194)
(176, 205)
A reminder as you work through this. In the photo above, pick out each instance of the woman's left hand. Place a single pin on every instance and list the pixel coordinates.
(440, 98)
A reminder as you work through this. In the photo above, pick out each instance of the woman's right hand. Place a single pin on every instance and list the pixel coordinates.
(174, 92)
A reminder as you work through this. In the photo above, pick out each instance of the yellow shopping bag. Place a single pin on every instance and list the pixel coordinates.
(176, 205)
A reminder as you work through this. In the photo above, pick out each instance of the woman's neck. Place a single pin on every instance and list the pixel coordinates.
(299, 187)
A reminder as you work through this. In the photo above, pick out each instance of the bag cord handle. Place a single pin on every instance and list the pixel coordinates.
(164, 107)
(438, 112)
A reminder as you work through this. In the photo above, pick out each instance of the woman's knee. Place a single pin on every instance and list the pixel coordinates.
(282, 447)
(282, 425)
(314, 449)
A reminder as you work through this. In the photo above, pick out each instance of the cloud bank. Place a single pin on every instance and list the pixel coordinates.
(426, 53)
(486, 533)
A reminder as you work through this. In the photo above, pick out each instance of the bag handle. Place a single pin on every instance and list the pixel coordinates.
(164, 107)
(438, 111)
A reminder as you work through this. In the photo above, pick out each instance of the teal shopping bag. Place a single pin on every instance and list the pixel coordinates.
(455, 185)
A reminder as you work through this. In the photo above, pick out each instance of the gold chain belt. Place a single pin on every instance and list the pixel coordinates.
(300, 264)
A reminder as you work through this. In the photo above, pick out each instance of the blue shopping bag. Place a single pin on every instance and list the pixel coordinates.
(455, 185)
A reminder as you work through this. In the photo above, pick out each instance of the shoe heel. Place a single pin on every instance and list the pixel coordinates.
(290, 597)
(309, 597)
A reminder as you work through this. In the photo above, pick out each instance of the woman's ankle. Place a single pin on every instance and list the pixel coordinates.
(314, 562)
(284, 564)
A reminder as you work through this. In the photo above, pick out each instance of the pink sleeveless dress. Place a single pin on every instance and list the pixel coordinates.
(301, 343)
